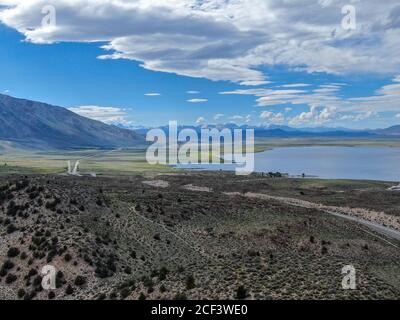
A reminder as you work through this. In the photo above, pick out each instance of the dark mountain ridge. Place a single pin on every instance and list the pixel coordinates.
(35, 124)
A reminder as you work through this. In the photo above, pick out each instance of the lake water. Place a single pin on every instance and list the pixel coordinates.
(365, 163)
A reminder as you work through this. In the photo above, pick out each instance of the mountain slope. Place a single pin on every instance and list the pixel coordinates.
(37, 124)
(391, 131)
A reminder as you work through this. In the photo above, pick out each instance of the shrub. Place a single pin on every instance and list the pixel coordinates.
(142, 296)
(8, 265)
(11, 228)
(3, 272)
(113, 296)
(101, 271)
(163, 273)
(128, 270)
(180, 296)
(80, 281)
(190, 282)
(69, 290)
(11, 278)
(67, 257)
(13, 252)
(37, 281)
(102, 296)
(181, 269)
(241, 293)
(147, 282)
(21, 293)
(51, 295)
(32, 272)
(124, 293)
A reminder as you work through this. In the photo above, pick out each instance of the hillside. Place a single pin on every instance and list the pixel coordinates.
(391, 131)
(172, 238)
(40, 125)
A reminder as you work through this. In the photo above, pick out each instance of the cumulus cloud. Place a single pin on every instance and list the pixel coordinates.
(197, 100)
(201, 120)
(316, 116)
(108, 115)
(272, 118)
(238, 118)
(326, 101)
(222, 40)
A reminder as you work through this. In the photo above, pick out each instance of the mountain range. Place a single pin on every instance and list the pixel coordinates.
(32, 124)
(38, 125)
(281, 131)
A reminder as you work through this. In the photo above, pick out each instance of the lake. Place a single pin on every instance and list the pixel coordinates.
(364, 163)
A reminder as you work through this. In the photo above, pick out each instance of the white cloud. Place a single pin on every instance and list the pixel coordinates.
(238, 118)
(218, 116)
(295, 85)
(192, 92)
(109, 115)
(222, 40)
(272, 118)
(316, 116)
(386, 99)
(397, 115)
(201, 120)
(288, 109)
(197, 100)
(152, 94)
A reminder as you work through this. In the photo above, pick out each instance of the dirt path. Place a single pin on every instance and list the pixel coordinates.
(192, 187)
(380, 219)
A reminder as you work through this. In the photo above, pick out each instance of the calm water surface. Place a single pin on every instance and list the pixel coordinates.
(366, 163)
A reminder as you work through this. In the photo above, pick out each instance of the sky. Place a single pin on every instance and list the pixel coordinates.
(302, 63)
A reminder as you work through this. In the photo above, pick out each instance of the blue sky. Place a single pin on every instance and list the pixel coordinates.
(113, 83)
